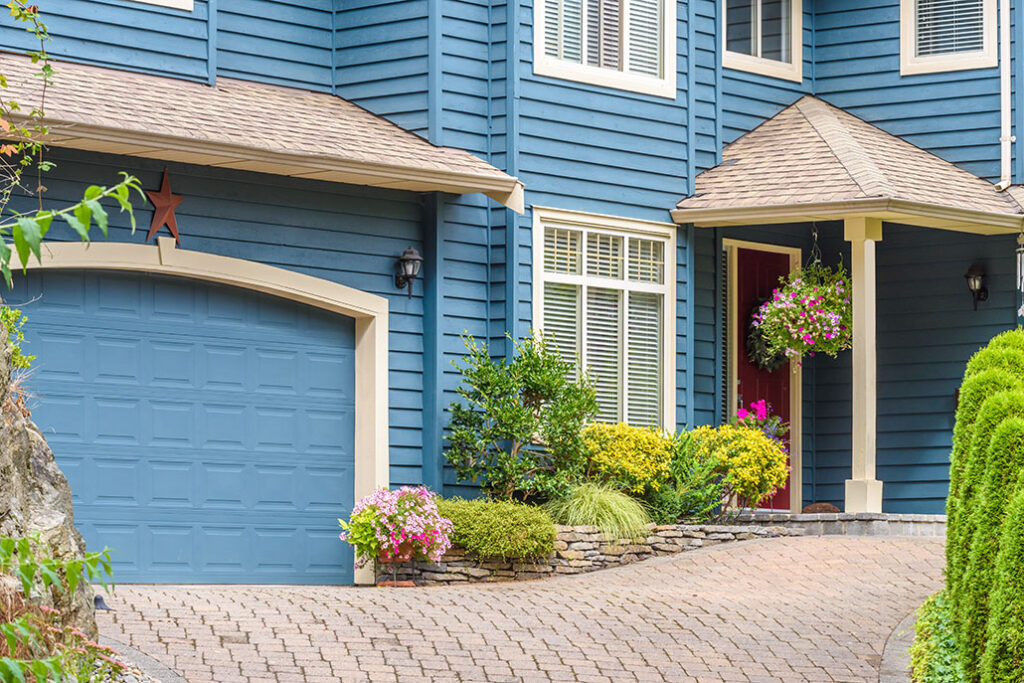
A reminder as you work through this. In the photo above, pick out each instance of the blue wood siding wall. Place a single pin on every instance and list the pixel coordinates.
(857, 67)
(342, 233)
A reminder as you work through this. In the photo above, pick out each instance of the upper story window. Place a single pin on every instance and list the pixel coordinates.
(947, 35)
(764, 37)
(604, 295)
(624, 44)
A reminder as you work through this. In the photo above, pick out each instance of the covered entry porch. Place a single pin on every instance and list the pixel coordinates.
(871, 430)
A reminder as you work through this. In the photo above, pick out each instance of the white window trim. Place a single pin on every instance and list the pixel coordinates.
(770, 67)
(547, 216)
(545, 65)
(186, 5)
(911, 64)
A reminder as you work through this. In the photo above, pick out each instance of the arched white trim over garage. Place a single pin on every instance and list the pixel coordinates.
(369, 311)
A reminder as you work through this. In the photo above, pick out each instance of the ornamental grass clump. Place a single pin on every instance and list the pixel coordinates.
(394, 524)
(753, 465)
(632, 458)
(616, 514)
(809, 313)
(499, 528)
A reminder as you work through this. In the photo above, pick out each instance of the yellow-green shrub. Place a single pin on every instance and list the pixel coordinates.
(499, 528)
(753, 465)
(1003, 659)
(634, 458)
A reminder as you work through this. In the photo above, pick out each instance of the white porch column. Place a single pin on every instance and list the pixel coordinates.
(863, 491)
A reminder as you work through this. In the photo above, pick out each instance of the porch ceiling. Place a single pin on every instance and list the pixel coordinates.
(246, 126)
(815, 162)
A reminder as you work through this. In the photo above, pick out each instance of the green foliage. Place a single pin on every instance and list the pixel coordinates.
(500, 528)
(934, 657)
(519, 425)
(12, 321)
(35, 644)
(694, 488)
(1003, 658)
(1004, 458)
(752, 464)
(633, 458)
(617, 515)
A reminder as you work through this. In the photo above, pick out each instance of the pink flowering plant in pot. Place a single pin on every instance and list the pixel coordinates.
(810, 312)
(397, 526)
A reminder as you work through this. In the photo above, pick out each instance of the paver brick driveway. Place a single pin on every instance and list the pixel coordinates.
(793, 609)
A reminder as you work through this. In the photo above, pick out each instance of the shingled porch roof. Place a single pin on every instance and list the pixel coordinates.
(247, 126)
(814, 161)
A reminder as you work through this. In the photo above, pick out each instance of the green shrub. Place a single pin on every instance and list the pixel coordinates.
(499, 528)
(13, 320)
(1003, 659)
(694, 488)
(519, 426)
(1004, 459)
(633, 458)
(934, 657)
(615, 513)
(753, 465)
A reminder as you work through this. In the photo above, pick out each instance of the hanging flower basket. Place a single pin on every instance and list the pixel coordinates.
(809, 313)
(757, 347)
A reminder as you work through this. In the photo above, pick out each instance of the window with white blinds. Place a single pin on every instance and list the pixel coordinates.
(947, 35)
(763, 36)
(628, 44)
(604, 302)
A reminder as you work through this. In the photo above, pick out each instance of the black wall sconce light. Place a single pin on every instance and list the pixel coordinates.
(407, 268)
(975, 277)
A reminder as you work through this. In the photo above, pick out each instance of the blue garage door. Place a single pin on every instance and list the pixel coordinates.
(207, 431)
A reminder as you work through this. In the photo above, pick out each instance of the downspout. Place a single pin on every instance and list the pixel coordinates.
(1005, 116)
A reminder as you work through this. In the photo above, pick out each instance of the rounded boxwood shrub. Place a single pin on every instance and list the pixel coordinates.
(499, 528)
(1003, 659)
(1004, 459)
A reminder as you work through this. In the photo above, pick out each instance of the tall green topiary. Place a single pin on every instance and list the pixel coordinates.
(1004, 459)
(1003, 659)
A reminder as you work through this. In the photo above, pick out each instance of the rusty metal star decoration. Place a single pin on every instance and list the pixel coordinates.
(164, 204)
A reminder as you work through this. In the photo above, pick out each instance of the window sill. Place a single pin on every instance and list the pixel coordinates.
(186, 5)
(592, 75)
(911, 66)
(763, 67)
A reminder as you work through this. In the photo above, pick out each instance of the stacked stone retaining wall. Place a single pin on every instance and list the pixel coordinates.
(583, 549)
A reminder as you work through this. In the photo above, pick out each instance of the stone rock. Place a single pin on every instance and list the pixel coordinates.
(35, 497)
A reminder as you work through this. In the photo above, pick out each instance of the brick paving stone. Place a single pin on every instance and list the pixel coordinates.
(789, 609)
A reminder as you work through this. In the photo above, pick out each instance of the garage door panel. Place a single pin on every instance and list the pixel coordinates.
(207, 431)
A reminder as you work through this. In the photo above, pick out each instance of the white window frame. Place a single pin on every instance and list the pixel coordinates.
(186, 5)
(769, 67)
(546, 65)
(625, 227)
(911, 64)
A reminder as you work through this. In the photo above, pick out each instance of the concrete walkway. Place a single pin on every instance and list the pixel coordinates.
(789, 609)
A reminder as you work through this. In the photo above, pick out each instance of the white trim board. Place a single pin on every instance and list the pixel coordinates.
(730, 246)
(369, 311)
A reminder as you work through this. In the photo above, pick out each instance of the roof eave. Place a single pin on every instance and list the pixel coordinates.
(503, 188)
(922, 214)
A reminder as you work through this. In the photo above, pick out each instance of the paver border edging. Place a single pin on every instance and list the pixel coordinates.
(895, 667)
(140, 660)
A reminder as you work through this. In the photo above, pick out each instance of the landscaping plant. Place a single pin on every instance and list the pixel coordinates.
(499, 528)
(618, 515)
(809, 313)
(752, 465)
(694, 488)
(392, 524)
(36, 643)
(1003, 657)
(518, 428)
(633, 458)
(933, 655)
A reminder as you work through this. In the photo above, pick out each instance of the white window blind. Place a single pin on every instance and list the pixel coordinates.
(604, 306)
(622, 35)
(949, 26)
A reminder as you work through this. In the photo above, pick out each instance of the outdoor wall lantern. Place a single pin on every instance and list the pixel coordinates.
(975, 277)
(408, 268)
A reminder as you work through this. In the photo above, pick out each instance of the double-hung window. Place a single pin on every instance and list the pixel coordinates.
(763, 37)
(624, 44)
(947, 35)
(603, 296)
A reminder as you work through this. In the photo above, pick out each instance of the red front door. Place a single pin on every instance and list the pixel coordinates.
(757, 273)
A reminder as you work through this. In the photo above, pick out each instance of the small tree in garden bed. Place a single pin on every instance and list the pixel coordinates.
(392, 525)
(518, 428)
(809, 313)
(36, 642)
